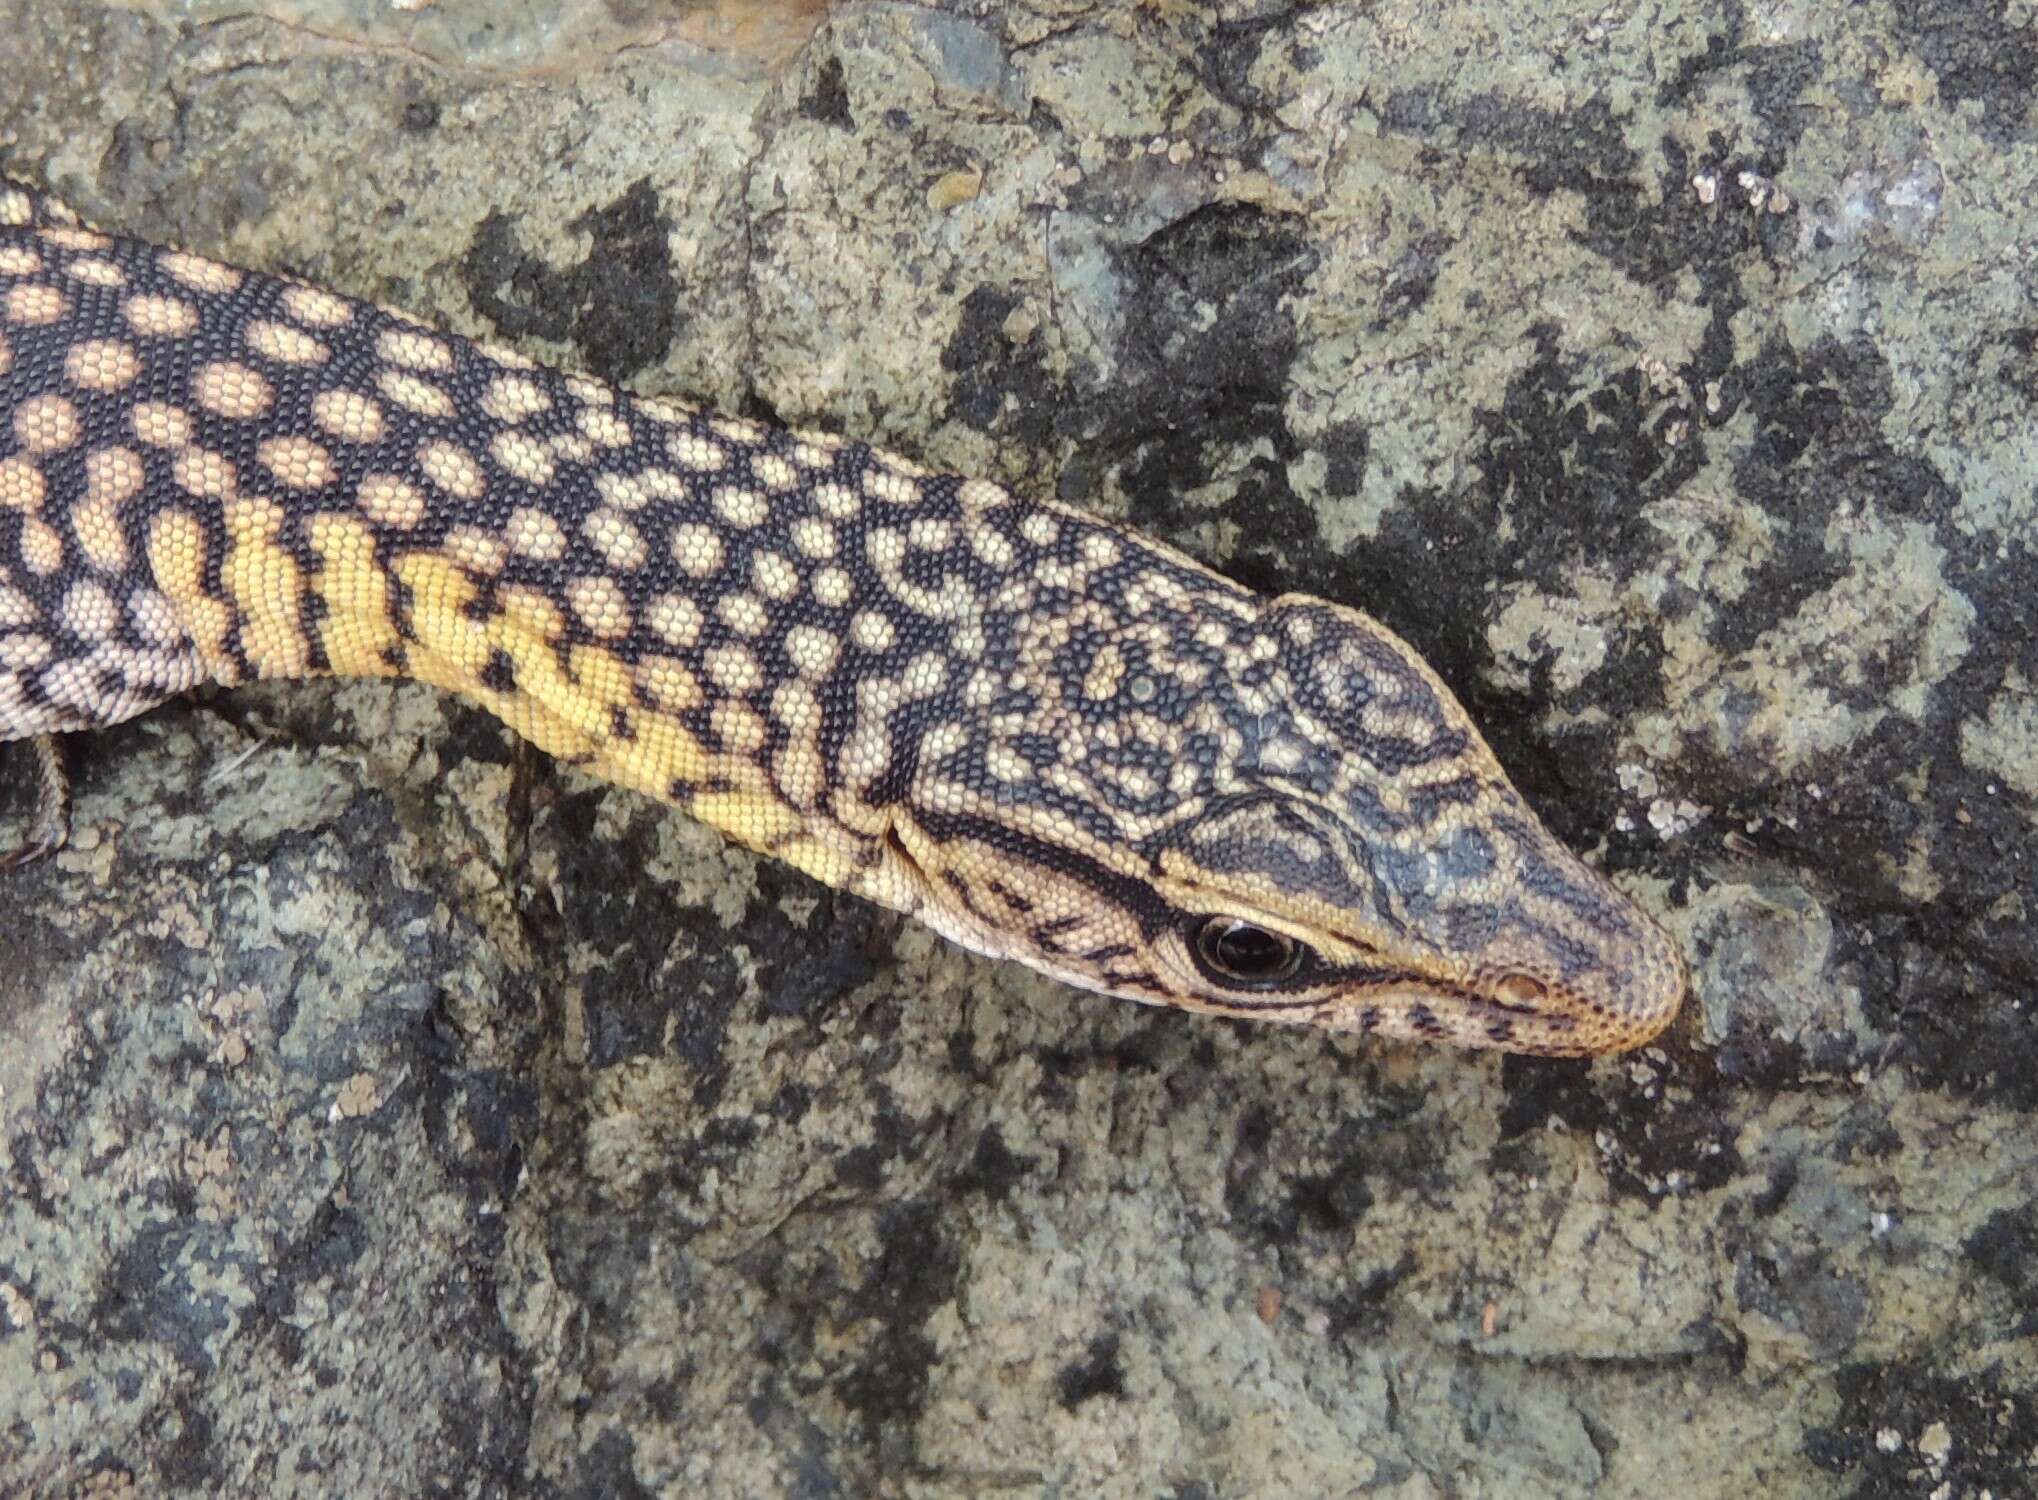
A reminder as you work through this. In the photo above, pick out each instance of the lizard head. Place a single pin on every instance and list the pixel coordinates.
(1373, 868)
(1274, 809)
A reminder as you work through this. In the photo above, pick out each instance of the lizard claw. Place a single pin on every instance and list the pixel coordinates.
(49, 828)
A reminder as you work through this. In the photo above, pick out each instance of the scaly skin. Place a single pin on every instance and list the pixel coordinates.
(1050, 738)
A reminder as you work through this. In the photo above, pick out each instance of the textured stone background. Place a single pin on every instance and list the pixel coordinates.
(384, 1111)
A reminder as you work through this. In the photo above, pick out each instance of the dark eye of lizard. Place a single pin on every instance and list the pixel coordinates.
(1242, 954)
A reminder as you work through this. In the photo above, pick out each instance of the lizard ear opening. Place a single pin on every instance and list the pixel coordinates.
(1520, 989)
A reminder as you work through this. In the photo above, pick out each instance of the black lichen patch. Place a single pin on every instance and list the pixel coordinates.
(1209, 339)
(148, 1295)
(606, 1470)
(1940, 978)
(915, 1275)
(827, 101)
(322, 1254)
(862, 1343)
(1001, 385)
(1778, 77)
(2005, 1250)
(1999, 577)
(1411, 281)
(673, 977)
(1774, 76)
(1578, 150)
(1978, 54)
(1947, 984)
(1660, 1145)
(1818, 453)
(861, 1169)
(804, 1447)
(480, 1119)
(1097, 1373)
(1806, 1292)
(1569, 461)
(810, 960)
(420, 117)
(1229, 52)
(1584, 152)
(1330, 1201)
(1292, 1190)
(617, 307)
(1653, 235)
(1905, 1430)
(643, 934)
(178, 1437)
(2017, 365)
(1121, 1042)
(994, 1168)
(1360, 1310)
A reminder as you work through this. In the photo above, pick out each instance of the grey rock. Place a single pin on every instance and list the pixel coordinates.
(384, 1110)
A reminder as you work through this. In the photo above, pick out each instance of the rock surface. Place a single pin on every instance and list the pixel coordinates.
(386, 1111)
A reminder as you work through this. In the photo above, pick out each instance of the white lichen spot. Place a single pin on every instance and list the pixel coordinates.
(360, 1095)
(1672, 817)
(1935, 1445)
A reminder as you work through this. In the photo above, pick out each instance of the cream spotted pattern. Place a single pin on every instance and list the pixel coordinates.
(1050, 738)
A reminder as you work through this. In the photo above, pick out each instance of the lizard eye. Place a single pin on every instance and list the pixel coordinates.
(1239, 953)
